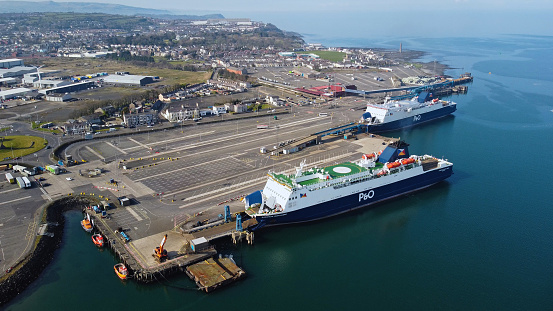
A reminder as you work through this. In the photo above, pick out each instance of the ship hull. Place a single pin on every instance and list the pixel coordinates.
(356, 200)
(412, 120)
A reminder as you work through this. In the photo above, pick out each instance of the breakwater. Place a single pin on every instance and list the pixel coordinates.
(31, 266)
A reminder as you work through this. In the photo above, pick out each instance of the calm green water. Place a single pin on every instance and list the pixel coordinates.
(481, 240)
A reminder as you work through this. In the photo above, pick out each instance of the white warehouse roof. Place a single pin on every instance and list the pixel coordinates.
(126, 79)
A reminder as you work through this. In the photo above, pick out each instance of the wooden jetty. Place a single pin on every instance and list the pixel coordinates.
(212, 273)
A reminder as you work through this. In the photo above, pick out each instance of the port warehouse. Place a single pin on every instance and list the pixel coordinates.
(13, 93)
(75, 87)
(128, 79)
(9, 63)
(7, 81)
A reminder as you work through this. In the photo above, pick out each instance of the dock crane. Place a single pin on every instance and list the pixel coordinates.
(160, 254)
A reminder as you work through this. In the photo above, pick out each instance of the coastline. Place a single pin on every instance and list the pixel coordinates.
(34, 263)
(26, 271)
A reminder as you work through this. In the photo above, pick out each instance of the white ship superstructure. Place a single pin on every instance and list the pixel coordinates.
(321, 192)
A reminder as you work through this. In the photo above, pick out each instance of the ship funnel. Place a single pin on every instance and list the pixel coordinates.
(395, 150)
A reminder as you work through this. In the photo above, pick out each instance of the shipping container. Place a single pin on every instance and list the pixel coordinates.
(10, 178)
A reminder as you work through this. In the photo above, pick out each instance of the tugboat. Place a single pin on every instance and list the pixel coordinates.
(98, 240)
(121, 271)
(87, 224)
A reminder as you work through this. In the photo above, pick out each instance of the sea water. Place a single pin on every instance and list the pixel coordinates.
(483, 239)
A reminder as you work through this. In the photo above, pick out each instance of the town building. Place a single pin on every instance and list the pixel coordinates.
(238, 71)
(92, 119)
(74, 127)
(217, 110)
(140, 119)
(176, 114)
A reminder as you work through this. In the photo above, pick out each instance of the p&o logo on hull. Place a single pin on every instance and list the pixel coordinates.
(366, 196)
(416, 118)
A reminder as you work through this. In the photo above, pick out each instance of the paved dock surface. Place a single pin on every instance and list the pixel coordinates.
(175, 176)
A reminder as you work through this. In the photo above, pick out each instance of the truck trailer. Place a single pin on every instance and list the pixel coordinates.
(54, 169)
(10, 178)
(27, 182)
(20, 182)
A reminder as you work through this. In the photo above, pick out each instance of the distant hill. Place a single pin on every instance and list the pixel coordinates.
(88, 7)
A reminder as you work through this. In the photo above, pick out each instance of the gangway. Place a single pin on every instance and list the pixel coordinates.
(339, 129)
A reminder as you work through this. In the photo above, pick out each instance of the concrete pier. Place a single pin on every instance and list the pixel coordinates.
(137, 255)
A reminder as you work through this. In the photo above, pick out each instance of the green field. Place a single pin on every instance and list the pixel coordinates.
(81, 67)
(18, 146)
(332, 56)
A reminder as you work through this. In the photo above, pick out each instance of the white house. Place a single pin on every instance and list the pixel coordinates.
(219, 110)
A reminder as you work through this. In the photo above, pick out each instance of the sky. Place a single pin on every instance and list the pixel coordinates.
(384, 18)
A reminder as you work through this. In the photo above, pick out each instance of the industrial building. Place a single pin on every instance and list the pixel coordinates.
(47, 83)
(7, 81)
(13, 93)
(74, 87)
(9, 63)
(59, 97)
(129, 79)
(17, 71)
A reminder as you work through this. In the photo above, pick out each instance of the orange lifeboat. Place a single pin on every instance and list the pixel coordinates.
(381, 173)
(407, 161)
(368, 156)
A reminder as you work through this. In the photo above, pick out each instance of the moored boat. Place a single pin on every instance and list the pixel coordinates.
(87, 224)
(121, 271)
(398, 114)
(323, 192)
(98, 240)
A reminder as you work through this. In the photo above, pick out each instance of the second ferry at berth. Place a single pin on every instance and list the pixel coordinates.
(321, 192)
(397, 114)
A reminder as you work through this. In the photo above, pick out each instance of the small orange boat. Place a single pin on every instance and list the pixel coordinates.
(86, 224)
(98, 240)
(121, 271)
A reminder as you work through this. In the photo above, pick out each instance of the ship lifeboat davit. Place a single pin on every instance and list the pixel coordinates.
(121, 271)
(98, 240)
(407, 161)
(368, 156)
